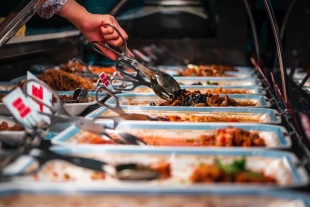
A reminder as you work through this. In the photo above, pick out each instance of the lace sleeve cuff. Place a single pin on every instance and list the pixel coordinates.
(51, 7)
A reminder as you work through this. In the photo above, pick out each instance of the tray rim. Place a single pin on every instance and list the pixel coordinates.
(12, 189)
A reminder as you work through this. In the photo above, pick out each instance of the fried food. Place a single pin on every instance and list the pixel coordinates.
(62, 81)
(232, 136)
(4, 126)
(206, 70)
(97, 70)
(71, 68)
(235, 172)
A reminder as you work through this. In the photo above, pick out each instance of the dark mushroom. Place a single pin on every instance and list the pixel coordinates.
(225, 102)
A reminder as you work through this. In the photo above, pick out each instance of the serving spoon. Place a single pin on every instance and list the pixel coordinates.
(80, 95)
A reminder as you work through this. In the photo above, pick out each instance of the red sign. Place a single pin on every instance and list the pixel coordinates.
(21, 107)
(104, 79)
(38, 93)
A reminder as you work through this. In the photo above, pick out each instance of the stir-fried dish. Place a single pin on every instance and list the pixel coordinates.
(206, 70)
(196, 118)
(227, 137)
(235, 172)
(221, 90)
(4, 126)
(62, 81)
(183, 97)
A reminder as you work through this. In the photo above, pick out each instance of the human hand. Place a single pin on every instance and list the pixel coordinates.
(93, 26)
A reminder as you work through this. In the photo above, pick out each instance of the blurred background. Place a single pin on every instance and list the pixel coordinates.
(186, 31)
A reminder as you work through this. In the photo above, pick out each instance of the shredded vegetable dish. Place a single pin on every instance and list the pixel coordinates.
(62, 81)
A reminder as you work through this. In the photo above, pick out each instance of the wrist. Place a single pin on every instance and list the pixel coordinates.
(74, 12)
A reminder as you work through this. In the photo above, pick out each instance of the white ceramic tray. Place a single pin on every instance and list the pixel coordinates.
(204, 89)
(145, 99)
(274, 136)
(257, 115)
(71, 195)
(282, 166)
(219, 81)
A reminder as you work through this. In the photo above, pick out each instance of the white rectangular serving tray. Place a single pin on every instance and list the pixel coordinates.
(275, 137)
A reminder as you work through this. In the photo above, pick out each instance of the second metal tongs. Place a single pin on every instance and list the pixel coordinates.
(58, 114)
(162, 84)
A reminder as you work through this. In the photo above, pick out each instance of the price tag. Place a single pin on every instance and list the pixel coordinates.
(41, 93)
(21, 108)
(105, 81)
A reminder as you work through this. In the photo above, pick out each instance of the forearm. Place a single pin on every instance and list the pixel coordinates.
(74, 12)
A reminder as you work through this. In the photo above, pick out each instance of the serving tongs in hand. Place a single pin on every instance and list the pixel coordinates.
(122, 116)
(58, 114)
(161, 83)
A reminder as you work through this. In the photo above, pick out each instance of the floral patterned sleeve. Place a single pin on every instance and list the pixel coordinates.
(51, 7)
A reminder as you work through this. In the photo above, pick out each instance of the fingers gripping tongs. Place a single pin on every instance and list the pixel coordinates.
(162, 84)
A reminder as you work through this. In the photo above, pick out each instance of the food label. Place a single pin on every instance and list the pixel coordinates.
(40, 92)
(21, 108)
(105, 81)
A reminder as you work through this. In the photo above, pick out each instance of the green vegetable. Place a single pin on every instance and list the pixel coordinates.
(209, 83)
(234, 168)
(254, 174)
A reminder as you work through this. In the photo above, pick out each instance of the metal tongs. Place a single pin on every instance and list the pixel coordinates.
(131, 80)
(60, 115)
(162, 83)
(84, 73)
(122, 116)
